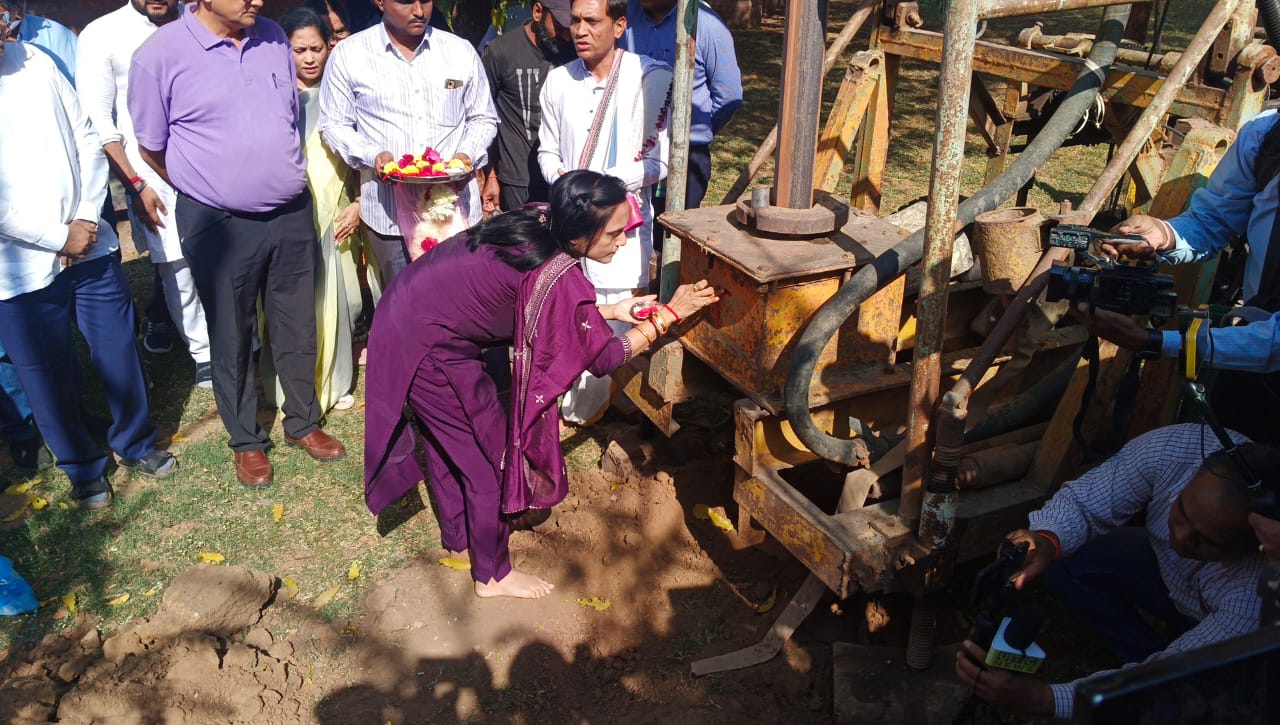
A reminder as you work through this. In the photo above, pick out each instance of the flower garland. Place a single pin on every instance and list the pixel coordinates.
(438, 203)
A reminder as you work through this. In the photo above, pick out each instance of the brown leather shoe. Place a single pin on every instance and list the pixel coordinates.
(254, 469)
(319, 445)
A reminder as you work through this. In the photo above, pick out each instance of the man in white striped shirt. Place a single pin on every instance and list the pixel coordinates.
(1194, 565)
(396, 89)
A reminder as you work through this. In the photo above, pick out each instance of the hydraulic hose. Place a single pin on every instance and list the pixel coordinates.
(886, 267)
(1269, 14)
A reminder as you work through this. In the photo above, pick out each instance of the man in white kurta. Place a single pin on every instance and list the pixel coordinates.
(106, 49)
(633, 146)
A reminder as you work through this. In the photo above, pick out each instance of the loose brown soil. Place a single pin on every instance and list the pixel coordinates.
(230, 645)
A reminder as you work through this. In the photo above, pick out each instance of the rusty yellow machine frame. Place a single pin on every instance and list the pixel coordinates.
(886, 366)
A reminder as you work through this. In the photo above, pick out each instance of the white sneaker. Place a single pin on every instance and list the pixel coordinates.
(346, 402)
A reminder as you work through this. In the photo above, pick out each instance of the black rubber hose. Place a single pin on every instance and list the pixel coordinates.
(1269, 14)
(886, 267)
(1029, 405)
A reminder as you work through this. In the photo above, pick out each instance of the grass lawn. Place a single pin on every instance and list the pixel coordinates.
(156, 529)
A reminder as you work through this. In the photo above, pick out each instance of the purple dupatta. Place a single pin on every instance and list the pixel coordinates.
(559, 333)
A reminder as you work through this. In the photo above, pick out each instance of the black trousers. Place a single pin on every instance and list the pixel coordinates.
(234, 258)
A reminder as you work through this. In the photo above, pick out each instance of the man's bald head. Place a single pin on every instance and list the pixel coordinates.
(1209, 519)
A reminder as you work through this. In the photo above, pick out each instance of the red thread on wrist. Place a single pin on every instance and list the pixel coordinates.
(667, 307)
(134, 181)
(1053, 539)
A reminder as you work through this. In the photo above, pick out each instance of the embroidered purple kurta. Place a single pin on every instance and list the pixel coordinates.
(425, 350)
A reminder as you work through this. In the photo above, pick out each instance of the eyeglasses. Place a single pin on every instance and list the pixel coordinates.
(4, 18)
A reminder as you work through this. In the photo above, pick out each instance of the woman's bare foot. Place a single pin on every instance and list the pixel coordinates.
(516, 584)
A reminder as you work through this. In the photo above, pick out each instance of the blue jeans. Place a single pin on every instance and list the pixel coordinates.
(16, 422)
(1107, 582)
(36, 329)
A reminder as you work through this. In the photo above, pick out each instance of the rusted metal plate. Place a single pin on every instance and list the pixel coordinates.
(802, 528)
(1130, 86)
(766, 260)
(770, 289)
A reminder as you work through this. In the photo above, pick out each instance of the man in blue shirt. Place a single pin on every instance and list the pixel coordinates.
(1230, 206)
(717, 82)
(53, 38)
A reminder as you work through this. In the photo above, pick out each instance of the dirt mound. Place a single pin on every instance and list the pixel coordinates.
(196, 660)
(644, 586)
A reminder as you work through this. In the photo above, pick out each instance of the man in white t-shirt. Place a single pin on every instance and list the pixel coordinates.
(106, 50)
(632, 144)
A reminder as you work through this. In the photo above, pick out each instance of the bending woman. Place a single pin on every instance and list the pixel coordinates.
(515, 275)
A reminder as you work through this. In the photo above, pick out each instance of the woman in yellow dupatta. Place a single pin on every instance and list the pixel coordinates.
(339, 298)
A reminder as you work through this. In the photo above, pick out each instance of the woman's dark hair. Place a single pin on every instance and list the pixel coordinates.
(322, 8)
(295, 19)
(581, 203)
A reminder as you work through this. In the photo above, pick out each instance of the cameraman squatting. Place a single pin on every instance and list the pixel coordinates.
(1193, 567)
(1235, 203)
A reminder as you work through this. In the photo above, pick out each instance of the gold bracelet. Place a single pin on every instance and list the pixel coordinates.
(657, 330)
(645, 335)
(659, 322)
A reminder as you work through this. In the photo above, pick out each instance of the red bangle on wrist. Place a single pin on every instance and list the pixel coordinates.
(667, 307)
(134, 181)
(1053, 539)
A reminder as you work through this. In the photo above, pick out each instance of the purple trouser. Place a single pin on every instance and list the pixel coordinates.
(464, 430)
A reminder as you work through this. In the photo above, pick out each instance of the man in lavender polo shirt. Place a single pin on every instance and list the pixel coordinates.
(214, 109)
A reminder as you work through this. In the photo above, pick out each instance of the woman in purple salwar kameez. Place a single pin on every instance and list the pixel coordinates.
(515, 277)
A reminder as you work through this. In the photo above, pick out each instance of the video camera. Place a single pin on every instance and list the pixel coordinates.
(1009, 641)
(1129, 288)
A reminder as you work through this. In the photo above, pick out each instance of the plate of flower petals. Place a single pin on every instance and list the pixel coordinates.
(426, 168)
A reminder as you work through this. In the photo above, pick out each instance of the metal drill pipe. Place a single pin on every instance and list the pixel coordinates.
(959, 37)
(1003, 330)
(1154, 112)
(799, 105)
(1010, 8)
(837, 49)
(681, 120)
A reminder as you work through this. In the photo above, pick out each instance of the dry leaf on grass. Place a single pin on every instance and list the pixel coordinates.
(118, 600)
(179, 437)
(69, 601)
(353, 571)
(455, 562)
(210, 557)
(277, 512)
(597, 603)
(39, 504)
(151, 592)
(326, 596)
(19, 489)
